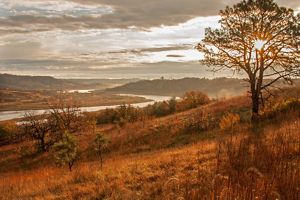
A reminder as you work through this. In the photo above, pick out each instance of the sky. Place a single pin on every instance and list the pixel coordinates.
(108, 38)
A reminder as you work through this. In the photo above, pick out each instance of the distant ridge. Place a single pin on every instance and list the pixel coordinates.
(31, 82)
(219, 87)
(215, 88)
(48, 82)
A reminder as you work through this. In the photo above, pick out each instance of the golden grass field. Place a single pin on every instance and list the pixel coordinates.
(161, 159)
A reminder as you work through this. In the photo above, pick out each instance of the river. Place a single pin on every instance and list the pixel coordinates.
(8, 115)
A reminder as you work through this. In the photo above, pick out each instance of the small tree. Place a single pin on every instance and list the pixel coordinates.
(100, 144)
(259, 38)
(65, 151)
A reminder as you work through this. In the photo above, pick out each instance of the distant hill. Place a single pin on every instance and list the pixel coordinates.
(47, 82)
(219, 87)
(215, 88)
(32, 82)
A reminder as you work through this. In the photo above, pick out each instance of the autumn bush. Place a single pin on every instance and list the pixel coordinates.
(9, 133)
(198, 121)
(229, 120)
(191, 100)
(282, 109)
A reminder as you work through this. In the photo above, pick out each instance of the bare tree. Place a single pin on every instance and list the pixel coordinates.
(259, 38)
(38, 129)
(65, 115)
(49, 128)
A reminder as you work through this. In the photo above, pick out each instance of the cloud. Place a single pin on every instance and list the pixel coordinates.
(128, 45)
(43, 36)
(145, 14)
(51, 8)
(19, 50)
(37, 15)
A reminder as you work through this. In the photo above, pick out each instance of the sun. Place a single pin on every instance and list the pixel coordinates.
(259, 44)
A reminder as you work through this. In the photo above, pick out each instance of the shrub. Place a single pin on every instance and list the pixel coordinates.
(283, 108)
(8, 133)
(3, 135)
(229, 120)
(159, 109)
(192, 99)
(199, 121)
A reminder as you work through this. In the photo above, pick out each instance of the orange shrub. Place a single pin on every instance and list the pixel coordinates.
(229, 120)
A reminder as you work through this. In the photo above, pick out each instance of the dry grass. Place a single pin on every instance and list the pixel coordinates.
(174, 130)
(261, 166)
(258, 163)
(197, 171)
(143, 176)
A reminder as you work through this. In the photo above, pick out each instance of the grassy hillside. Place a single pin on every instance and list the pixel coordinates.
(187, 155)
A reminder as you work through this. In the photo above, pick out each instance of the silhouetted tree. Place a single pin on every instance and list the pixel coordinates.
(259, 38)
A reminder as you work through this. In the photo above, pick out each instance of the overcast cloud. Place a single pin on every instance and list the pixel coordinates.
(98, 35)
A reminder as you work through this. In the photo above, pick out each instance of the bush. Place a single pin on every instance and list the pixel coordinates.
(8, 133)
(192, 99)
(229, 120)
(283, 108)
(199, 121)
(3, 135)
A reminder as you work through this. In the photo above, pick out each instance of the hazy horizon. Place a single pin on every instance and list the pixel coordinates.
(167, 70)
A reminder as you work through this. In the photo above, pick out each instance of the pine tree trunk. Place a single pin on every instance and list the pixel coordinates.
(255, 104)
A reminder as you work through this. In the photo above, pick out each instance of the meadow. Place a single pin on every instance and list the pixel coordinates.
(212, 151)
